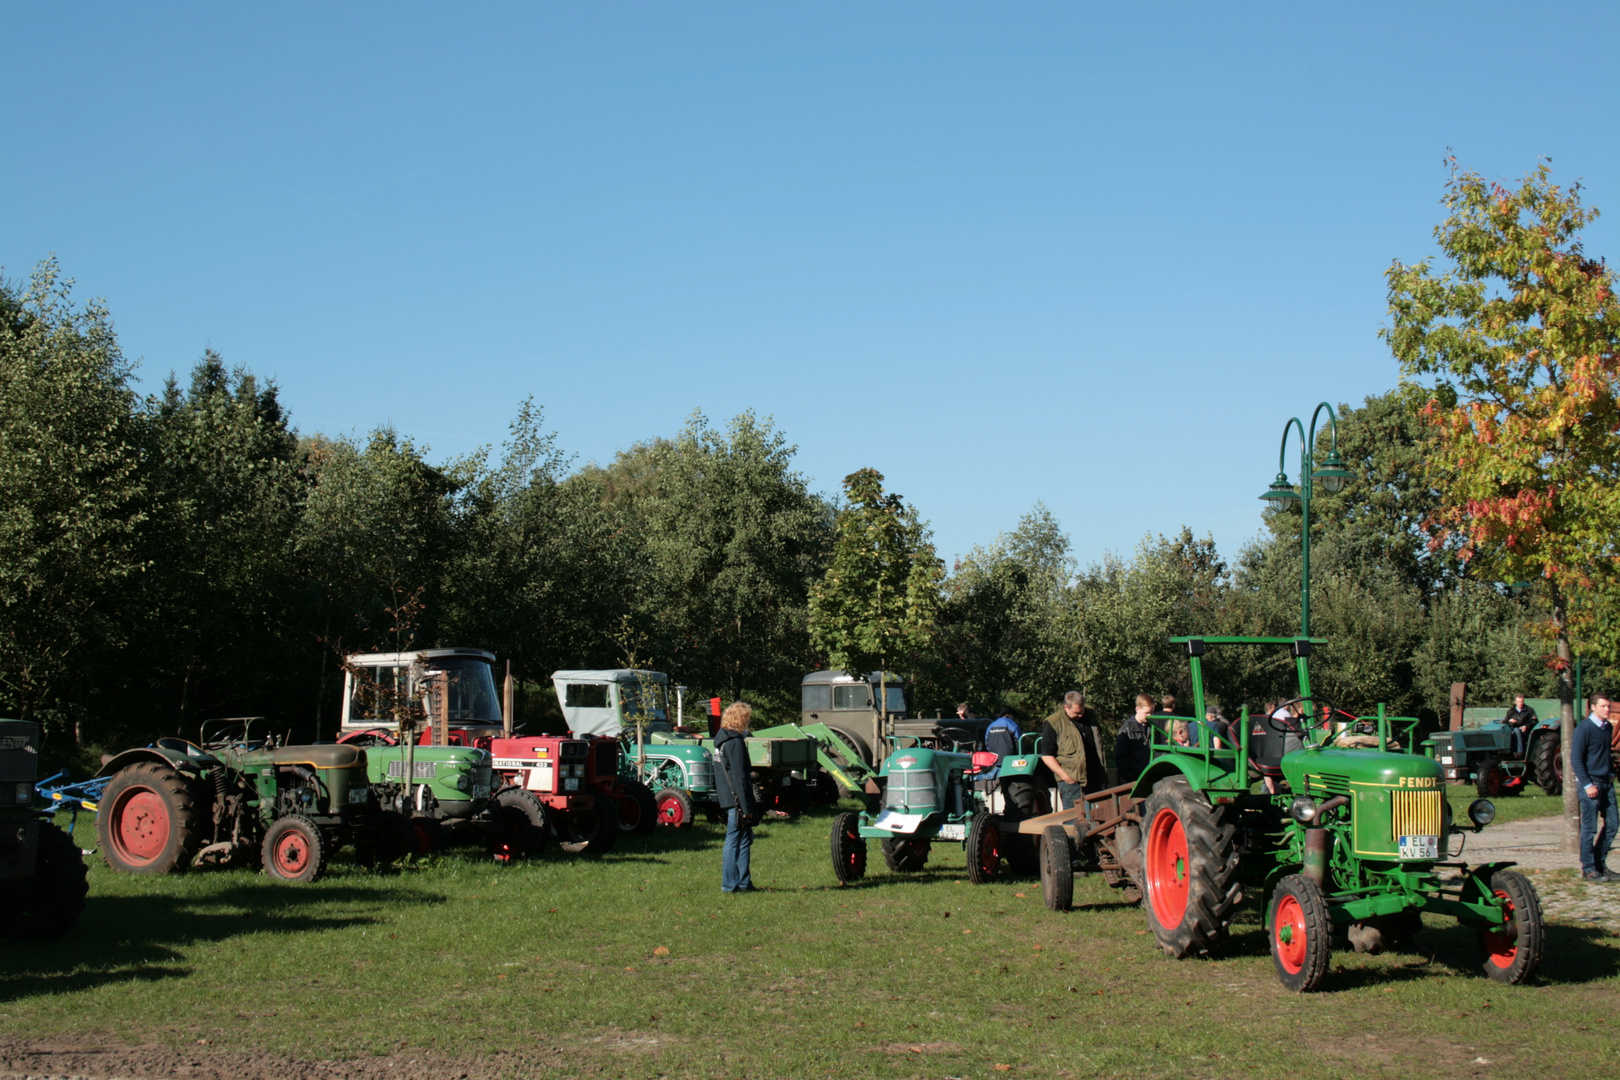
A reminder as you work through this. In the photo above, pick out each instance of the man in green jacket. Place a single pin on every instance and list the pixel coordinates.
(1072, 750)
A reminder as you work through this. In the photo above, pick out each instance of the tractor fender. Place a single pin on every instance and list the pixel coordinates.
(181, 763)
(1158, 770)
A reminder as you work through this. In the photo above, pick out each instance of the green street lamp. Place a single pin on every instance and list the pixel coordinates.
(1281, 494)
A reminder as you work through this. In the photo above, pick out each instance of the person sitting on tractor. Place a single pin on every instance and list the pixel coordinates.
(1131, 750)
(1001, 737)
(1520, 720)
(963, 712)
(1071, 750)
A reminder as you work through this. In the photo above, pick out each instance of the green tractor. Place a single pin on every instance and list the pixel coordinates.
(964, 795)
(1344, 833)
(42, 874)
(177, 804)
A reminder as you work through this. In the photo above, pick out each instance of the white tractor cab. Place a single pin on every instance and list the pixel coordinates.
(465, 694)
(610, 702)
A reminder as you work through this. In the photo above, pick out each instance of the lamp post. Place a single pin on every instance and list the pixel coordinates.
(1281, 494)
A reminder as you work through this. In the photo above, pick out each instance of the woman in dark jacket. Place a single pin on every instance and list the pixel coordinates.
(736, 795)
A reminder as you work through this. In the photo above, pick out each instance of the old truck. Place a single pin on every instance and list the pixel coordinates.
(1340, 835)
(1481, 753)
(237, 792)
(42, 874)
(868, 711)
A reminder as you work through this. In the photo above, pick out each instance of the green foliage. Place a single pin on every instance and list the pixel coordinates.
(876, 606)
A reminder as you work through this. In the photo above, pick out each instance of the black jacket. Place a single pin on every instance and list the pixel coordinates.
(1589, 751)
(1131, 753)
(732, 786)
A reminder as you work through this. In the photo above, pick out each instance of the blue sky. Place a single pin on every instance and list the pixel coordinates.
(1084, 255)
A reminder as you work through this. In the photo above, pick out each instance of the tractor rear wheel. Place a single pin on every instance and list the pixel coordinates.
(524, 830)
(389, 839)
(149, 822)
(905, 855)
(638, 810)
(1190, 862)
(1490, 777)
(1547, 758)
(47, 907)
(1057, 869)
(292, 849)
(1301, 933)
(848, 848)
(1512, 952)
(429, 834)
(591, 828)
(984, 849)
(675, 808)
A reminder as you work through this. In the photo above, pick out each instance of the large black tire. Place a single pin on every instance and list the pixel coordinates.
(904, 854)
(429, 834)
(1023, 799)
(1547, 761)
(1301, 933)
(848, 848)
(149, 822)
(293, 849)
(984, 849)
(1513, 953)
(638, 810)
(47, 907)
(1489, 779)
(674, 808)
(524, 830)
(1057, 869)
(591, 828)
(792, 800)
(1189, 863)
(388, 839)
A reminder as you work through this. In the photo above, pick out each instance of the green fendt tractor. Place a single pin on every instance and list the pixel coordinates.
(176, 804)
(42, 877)
(1344, 834)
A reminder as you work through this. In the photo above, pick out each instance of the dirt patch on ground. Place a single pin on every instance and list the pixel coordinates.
(25, 1059)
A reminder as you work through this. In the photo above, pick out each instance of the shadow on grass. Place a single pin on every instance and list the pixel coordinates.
(142, 939)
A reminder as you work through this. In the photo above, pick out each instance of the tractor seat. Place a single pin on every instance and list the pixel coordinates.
(1266, 749)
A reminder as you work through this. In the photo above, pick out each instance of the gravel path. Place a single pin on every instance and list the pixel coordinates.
(1533, 844)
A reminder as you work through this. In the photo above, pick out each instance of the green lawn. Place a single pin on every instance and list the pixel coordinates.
(1515, 808)
(557, 968)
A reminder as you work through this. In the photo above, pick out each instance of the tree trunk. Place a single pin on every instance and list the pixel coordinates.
(1571, 841)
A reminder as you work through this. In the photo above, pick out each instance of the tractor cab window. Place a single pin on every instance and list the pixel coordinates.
(630, 701)
(376, 692)
(852, 696)
(816, 697)
(585, 695)
(470, 689)
(896, 697)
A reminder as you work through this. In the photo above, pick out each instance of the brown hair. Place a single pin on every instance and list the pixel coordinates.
(1145, 699)
(737, 716)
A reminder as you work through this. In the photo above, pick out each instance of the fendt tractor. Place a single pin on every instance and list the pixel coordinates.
(234, 792)
(1345, 834)
(42, 874)
(1480, 752)
(543, 787)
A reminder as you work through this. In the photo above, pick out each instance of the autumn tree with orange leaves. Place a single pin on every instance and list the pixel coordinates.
(1514, 349)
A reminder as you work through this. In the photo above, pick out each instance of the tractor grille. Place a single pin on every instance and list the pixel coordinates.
(420, 770)
(1415, 813)
(481, 775)
(19, 757)
(1476, 740)
(1330, 785)
(911, 789)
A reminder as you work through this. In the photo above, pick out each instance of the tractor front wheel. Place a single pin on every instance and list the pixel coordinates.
(1512, 952)
(1489, 779)
(593, 827)
(523, 831)
(1301, 933)
(293, 850)
(638, 810)
(984, 849)
(1057, 869)
(905, 855)
(47, 907)
(1548, 758)
(848, 848)
(675, 808)
(1190, 883)
(149, 822)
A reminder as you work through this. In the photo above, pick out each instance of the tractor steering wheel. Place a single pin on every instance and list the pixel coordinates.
(1295, 725)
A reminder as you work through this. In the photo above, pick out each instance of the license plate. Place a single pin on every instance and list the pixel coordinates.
(571, 784)
(480, 791)
(1420, 847)
(1445, 761)
(953, 832)
(359, 796)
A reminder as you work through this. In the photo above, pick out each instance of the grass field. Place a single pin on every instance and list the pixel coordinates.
(636, 965)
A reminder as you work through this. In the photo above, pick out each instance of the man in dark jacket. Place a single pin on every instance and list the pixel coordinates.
(735, 792)
(1131, 749)
(1520, 719)
(1594, 777)
(1002, 736)
(1072, 751)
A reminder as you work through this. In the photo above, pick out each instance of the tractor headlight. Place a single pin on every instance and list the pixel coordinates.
(464, 782)
(25, 792)
(1303, 810)
(1481, 812)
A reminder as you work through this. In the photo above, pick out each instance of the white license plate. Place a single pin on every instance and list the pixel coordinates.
(571, 784)
(953, 832)
(359, 796)
(1420, 847)
(480, 791)
(1445, 761)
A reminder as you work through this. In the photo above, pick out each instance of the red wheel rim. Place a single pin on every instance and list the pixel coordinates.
(140, 825)
(852, 847)
(291, 854)
(1167, 875)
(1502, 946)
(1288, 935)
(671, 812)
(989, 851)
(1493, 781)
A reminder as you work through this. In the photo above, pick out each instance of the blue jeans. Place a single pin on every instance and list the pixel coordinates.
(734, 876)
(1070, 795)
(1595, 844)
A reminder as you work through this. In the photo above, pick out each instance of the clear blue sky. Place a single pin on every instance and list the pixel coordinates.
(1092, 256)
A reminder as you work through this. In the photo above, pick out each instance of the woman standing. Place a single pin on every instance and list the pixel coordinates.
(736, 795)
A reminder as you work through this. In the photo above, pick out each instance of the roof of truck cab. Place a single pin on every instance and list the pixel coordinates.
(608, 675)
(365, 659)
(834, 675)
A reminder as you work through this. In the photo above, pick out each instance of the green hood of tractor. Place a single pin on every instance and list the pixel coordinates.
(442, 767)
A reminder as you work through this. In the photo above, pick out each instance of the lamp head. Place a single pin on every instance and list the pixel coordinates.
(1333, 474)
(1281, 493)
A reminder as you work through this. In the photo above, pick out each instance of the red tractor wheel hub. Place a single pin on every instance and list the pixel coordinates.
(1167, 875)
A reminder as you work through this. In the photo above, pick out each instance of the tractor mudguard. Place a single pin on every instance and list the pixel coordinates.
(177, 760)
(1201, 775)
